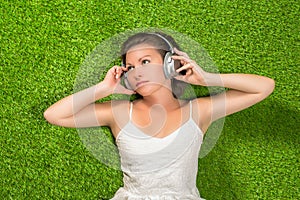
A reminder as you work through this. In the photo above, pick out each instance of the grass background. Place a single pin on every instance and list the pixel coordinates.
(43, 44)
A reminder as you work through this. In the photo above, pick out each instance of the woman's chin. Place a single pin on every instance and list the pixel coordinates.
(149, 89)
(145, 90)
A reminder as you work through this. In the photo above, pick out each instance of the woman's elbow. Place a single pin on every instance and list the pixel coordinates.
(55, 120)
(271, 86)
(49, 117)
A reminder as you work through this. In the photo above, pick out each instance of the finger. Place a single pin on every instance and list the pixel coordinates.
(189, 72)
(178, 57)
(125, 91)
(182, 59)
(125, 69)
(115, 72)
(184, 67)
(181, 53)
(180, 78)
(129, 92)
(120, 89)
(118, 72)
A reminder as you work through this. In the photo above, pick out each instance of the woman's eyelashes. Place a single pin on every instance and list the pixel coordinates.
(130, 67)
(146, 61)
(143, 62)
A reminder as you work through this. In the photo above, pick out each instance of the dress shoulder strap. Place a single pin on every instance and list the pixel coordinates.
(130, 111)
(191, 109)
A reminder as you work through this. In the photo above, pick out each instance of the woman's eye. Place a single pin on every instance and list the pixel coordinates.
(145, 62)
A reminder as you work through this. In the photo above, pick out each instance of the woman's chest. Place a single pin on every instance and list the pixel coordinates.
(159, 123)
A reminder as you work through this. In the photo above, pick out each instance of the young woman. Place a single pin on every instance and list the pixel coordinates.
(158, 135)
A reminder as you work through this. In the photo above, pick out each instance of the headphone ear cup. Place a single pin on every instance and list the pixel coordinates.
(125, 82)
(124, 79)
(169, 67)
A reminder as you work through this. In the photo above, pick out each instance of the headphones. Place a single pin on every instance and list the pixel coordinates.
(169, 66)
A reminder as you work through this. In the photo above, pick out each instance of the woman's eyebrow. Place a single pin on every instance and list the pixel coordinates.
(143, 57)
(138, 59)
(128, 64)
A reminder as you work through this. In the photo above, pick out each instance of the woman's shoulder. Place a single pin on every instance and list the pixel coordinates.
(197, 102)
(112, 106)
(117, 112)
(202, 100)
(120, 102)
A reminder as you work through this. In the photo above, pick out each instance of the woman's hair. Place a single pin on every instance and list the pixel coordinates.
(162, 47)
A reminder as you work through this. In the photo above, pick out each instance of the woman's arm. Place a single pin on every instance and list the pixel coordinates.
(80, 110)
(244, 89)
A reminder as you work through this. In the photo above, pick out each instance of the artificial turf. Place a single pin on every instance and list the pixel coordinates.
(43, 43)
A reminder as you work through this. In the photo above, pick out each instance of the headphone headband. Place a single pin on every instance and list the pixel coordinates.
(165, 39)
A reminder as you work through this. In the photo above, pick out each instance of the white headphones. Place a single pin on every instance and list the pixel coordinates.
(169, 63)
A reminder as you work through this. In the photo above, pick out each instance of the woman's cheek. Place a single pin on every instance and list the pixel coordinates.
(145, 75)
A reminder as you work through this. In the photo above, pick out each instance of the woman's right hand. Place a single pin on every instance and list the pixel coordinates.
(113, 81)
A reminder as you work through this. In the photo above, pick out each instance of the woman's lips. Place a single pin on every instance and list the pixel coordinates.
(140, 83)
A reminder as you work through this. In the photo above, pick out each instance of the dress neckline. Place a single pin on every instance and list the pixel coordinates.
(175, 132)
(130, 122)
(161, 138)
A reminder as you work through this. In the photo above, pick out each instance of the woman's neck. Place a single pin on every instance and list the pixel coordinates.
(165, 99)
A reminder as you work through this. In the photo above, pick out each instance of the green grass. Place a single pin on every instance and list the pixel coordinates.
(43, 43)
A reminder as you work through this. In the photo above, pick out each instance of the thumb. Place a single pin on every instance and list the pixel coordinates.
(126, 91)
(180, 77)
(120, 89)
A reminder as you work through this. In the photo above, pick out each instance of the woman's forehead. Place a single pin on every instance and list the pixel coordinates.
(139, 53)
(145, 49)
(141, 47)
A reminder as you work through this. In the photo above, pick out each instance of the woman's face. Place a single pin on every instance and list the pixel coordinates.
(145, 69)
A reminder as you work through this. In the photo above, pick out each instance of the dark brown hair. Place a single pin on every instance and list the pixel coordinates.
(153, 39)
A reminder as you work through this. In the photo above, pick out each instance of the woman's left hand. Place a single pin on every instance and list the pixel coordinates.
(194, 73)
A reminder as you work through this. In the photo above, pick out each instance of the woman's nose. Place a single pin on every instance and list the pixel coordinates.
(138, 73)
(137, 76)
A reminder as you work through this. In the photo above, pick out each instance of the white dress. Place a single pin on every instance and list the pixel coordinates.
(159, 168)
